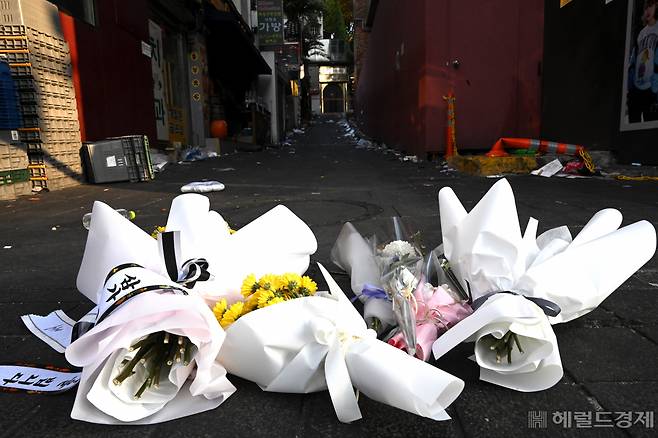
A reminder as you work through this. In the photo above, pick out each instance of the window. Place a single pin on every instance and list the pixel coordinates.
(291, 30)
(333, 74)
(84, 10)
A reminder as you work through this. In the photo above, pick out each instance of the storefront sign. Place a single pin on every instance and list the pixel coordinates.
(290, 57)
(157, 70)
(270, 22)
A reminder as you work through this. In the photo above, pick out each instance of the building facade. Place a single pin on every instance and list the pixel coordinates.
(580, 72)
(417, 54)
(183, 73)
(329, 70)
(163, 69)
(597, 82)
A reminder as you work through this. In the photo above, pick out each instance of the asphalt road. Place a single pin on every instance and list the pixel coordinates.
(610, 356)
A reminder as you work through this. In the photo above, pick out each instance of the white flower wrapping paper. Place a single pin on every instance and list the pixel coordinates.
(353, 254)
(101, 350)
(487, 253)
(114, 241)
(321, 342)
(277, 241)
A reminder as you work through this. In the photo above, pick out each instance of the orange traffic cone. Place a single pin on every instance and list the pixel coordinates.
(498, 149)
(451, 131)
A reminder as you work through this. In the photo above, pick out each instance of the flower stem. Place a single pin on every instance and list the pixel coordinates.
(157, 352)
(516, 341)
(375, 324)
(128, 369)
(504, 346)
(187, 356)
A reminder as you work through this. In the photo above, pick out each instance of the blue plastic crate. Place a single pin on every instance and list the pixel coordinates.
(10, 116)
(10, 123)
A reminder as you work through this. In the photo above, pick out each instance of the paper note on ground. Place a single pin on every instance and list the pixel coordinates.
(549, 169)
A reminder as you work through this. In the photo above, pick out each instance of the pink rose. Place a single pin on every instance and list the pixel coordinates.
(436, 312)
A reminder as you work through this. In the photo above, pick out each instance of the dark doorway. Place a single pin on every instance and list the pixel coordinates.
(332, 99)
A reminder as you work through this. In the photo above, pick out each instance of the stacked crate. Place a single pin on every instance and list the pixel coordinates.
(32, 41)
(117, 159)
(14, 173)
(9, 112)
(13, 157)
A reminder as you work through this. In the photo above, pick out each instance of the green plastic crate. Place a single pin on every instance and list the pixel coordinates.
(14, 176)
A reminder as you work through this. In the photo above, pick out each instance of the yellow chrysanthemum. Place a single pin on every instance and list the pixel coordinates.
(307, 286)
(271, 301)
(233, 313)
(256, 295)
(249, 305)
(249, 285)
(264, 297)
(291, 280)
(157, 230)
(270, 282)
(220, 308)
(252, 301)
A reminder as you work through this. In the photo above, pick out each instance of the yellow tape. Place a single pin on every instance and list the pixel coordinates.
(636, 178)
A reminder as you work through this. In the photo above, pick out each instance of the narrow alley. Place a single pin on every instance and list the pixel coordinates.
(327, 179)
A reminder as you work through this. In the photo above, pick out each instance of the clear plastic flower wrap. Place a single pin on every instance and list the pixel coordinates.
(356, 256)
(384, 273)
(437, 309)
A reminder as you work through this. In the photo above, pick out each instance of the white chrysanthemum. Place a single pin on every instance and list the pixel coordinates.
(398, 248)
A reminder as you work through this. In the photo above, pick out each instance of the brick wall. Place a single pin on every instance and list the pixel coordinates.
(360, 36)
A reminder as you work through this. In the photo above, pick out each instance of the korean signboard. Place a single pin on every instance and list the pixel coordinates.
(270, 22)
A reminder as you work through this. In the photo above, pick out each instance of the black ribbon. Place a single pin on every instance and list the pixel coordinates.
(194, 270)
(80, 328)
(89, 321)
(169, 252)
(191, 271)
(547, 306)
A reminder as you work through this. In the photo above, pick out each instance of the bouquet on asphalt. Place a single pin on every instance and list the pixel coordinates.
(384, 275)
(391, 280)
(521, 284)
(149, 348)
(357, 256)
(436, 310)
(311, 341)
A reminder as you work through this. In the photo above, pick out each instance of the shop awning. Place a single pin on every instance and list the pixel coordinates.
(231, 51)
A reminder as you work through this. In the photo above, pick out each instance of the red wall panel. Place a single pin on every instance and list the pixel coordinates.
(407, 71)
(389, 88)
(531, 54)
(113, 81)
(436, 76)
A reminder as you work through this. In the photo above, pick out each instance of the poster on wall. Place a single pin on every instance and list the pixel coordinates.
(639, 103)
(157, 70)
